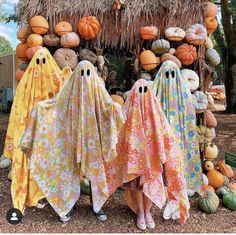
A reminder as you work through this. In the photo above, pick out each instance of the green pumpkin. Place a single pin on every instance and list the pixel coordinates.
(23, 66)
(229, 199)
(85, 186)
(208, 202)
(221, 191)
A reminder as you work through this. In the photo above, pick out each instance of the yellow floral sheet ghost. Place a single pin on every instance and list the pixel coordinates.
(41, 80)
(75, 136)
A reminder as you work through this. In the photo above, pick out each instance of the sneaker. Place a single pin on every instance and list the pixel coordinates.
(67, 217)
(101, 215)
(41, 203)
(141, 223)
(150, 223)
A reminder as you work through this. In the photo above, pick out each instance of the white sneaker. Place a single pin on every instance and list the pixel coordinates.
(150, 223)
(141, 223)
(67, 217)
(170, 208)
(41, 203)
(101, 215)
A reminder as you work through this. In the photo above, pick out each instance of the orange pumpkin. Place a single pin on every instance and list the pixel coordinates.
(211, 24)
(89, 27)
(210, 9)
(34, 40)
(21, 49)
(186, 53)
(206, 187)
(215, 178)
(70, 40)
(62, 28)
(39, 25)
(170, 56)
(19, 74)
(210, 119)
(231, 186)
(31, 51)
(118, 99)
(148, 32)
(148, 60)
(23, 33)
(225, 169)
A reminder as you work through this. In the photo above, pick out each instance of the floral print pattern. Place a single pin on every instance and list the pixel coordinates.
(172, 92)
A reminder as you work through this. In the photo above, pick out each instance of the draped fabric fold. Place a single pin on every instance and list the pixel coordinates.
(146, 143)
(41, 80)
(73, 136)
(176, 101)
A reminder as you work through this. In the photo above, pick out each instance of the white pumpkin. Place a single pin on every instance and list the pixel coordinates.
(196, 34)
(175, 34)
(192, 79)
(208, 43)
(205, 179)
(146, 76)
(213, 56)
(160, 46)
(200, 100)
(4, 162)
(213, 133)
(190, 192)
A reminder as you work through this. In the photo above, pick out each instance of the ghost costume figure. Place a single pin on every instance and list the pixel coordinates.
(75, 136)
(176, 101)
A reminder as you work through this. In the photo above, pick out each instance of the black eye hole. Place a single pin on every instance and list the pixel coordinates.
(140, 89)
(44, 60)
(37, 61)
(173, 74)
(167, 74)
(88, 72)
(82, 72)
(145, 89)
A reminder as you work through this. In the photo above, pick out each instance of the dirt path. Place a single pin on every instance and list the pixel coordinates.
(120, 218)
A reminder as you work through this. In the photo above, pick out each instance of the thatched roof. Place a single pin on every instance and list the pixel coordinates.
(119, 29)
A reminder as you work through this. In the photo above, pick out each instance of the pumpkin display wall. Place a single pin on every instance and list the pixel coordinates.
(186, 53)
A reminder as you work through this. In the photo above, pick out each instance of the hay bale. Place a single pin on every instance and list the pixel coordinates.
(66, 57)
(86, 54)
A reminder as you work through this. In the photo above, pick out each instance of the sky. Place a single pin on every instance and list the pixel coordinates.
(9, 30)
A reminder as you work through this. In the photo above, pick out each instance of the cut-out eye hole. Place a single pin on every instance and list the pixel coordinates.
(145, 89)
(167, 74)
(82, 72)
(140, 89)
(37, 61)
(88, 72)
(44, 61)
(173, 74)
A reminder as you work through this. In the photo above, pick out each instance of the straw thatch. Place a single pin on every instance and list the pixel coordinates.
(119, 28)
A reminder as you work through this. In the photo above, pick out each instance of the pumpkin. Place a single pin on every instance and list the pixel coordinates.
(23, 33)
(212, 56)
(226, 180)
(31, 51)
(208, 202)
(85, 186)
(62, 28)
(19, 74)
(204, 179)
(5, 162)
(206, 187)
(88, 27)
(208, 43)
(196, 34)
(170, 56)
(211, 101)
(86, 54)
(210, 119)
(70, 40)
(51, 40)
(211, 152)
(148, 60)
(39, 25)
(145, 76)
(66, 58)
(210, 9)
(225, 169)
(229, 199)
(21, 49)
(118, 99)
(231, 186)
(211, 24)
(192, 79)
(215, 178)
(34, 40)
(160, 46)
(204, 135)
(186, 53)
(175, 34)
(148, 32)
(200, 101)
(23, 66)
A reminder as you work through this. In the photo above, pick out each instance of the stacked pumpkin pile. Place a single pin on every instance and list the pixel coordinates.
(36, 34)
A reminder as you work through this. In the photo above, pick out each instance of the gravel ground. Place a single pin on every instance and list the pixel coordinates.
(120, 218)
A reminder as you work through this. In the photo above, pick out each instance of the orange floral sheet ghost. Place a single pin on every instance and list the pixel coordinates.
(146, 142)
(75, 136)
(41, 80)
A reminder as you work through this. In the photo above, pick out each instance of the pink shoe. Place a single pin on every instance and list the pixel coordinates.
(141, 223)
(150, 223)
